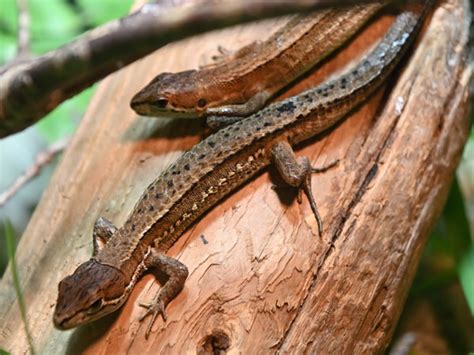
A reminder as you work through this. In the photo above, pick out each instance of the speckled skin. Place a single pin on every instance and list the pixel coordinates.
(209, 172)
(256, 72)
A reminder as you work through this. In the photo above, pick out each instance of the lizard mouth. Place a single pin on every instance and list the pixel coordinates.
(160, 107)
(65, 323)
(146, 109)
(62, 323)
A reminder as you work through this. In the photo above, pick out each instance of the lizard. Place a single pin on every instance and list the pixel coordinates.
(242, 83)
(207, 173)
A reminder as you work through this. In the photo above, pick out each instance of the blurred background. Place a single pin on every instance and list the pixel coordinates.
(438, 314)
(52, 23)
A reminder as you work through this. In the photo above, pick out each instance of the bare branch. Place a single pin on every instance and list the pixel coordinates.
(31, 89)
(43, 159)
(23, 29)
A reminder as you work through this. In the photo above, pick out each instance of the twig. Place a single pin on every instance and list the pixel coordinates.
(42, 160)
(31, 89)
(23, 29)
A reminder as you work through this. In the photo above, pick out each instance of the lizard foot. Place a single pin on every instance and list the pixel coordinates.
(297, 172)
(177, 273)
(153, 309)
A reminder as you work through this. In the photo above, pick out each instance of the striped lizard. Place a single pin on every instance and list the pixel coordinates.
(241, 84)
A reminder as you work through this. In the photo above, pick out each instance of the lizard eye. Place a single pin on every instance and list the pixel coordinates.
(161, 103)
(95, 307)
(201, 103)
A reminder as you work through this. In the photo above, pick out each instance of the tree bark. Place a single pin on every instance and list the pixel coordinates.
(261, 280)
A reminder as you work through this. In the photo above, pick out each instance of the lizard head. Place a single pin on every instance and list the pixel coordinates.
(91, 292)
(183, 94)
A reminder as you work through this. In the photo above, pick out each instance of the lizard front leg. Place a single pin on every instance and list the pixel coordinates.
(225, 115)
(177, 273)
(297, 172)
(103, 231)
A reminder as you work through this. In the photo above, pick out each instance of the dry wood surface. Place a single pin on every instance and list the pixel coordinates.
(261, 280)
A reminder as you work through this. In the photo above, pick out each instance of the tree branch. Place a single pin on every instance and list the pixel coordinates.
(23, 29)
(41, 161)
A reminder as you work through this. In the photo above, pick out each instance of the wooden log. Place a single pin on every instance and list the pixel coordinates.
(261, 280)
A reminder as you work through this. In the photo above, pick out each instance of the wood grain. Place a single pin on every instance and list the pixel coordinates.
(261, 280)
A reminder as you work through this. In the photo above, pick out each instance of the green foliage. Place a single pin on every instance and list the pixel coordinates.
(452, 235)
(53, 23)
(450, 251)
(466, 275)
(98, 12)
(3, 352)
(8, 16)
(63, 120)
(8, 25)
(10, 242)
(7, 47)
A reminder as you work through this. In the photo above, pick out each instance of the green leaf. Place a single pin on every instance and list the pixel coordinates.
(99, 12)
(451, 246)
(455, 217)
(7, 47)
(466, 276)
(469, 148)
(8, 17)
(8, 32)
(3, 352)
(10, 242)
(65, 118)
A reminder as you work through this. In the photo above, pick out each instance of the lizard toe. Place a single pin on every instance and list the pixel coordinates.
(153, 309)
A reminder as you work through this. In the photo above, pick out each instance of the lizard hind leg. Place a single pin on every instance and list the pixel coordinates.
(177, 274)
(297, 172)
(226, 55)
(103, 231)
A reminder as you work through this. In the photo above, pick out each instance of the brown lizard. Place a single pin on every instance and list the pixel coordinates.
(240, 84)
(210, 171)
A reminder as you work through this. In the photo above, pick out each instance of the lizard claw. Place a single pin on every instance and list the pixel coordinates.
(299, 196)
(153, 309)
